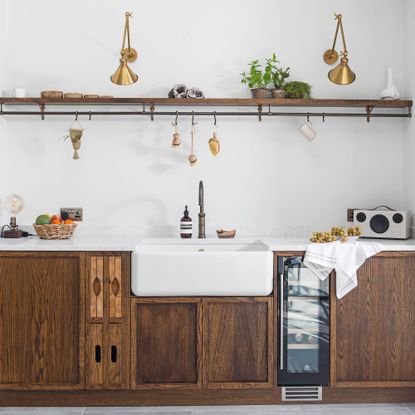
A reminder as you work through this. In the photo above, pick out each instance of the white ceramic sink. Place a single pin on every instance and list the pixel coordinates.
(201, 268)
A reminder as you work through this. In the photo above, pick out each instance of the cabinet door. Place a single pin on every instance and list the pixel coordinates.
(107, 354)
(374, 326)
(41, 321)
(238, 342)
(166, 343)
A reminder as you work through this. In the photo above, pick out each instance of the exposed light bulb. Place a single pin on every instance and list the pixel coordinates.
(14, 204)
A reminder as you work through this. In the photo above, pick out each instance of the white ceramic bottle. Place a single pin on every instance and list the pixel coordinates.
(391, 91)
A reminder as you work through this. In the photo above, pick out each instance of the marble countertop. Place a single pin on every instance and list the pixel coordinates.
(130, 243)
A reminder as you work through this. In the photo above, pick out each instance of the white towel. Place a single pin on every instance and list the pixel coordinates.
(345, 258)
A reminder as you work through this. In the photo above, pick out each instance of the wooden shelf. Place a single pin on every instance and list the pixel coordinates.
(154, 107)
(236, 102)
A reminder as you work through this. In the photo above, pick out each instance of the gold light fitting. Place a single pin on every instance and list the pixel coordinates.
(124, 75)
(341, 74)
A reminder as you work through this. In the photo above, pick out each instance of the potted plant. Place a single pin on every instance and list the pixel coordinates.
(298, 90)
(257, 80)
(278, 77)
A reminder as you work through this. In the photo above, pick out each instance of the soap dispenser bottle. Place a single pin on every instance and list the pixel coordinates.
(186, 225)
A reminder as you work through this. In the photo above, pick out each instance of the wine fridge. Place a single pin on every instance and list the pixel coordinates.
(304, 324)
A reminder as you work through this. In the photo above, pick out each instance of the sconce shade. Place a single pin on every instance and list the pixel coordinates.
(342, 74)
(124, 75)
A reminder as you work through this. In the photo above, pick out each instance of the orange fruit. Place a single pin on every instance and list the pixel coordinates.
(56, 222)
(55, 217)
(68, 222)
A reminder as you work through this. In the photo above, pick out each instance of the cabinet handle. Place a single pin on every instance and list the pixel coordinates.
(281, 321)
(98, 353)
(113, 354)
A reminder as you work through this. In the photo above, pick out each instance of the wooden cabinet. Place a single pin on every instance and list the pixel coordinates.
(108, 321)
(373, 327)
(41, 321)
(166, 343)
(190, 343)
(238, 342)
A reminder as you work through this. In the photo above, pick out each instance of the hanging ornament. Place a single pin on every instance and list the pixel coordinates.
(75, 133)
(176, 136)
(214, 143)
(192, 158)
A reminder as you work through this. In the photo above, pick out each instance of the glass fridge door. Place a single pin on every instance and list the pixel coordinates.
(304, 325)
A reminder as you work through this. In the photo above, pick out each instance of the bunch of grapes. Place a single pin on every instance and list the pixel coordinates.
(354, 231)
(341, 233)
(322, 237)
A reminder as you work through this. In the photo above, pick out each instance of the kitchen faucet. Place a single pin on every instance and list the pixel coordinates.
(202, 230)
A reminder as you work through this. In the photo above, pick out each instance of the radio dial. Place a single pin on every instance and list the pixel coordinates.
(361, 217)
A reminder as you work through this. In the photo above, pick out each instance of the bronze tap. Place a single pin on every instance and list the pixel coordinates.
(202, 230)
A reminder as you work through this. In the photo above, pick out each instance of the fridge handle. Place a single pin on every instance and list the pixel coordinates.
(281, 321)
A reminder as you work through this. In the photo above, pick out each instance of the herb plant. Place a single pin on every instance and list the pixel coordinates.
(298, 90)
(256, 78)
(277, 74)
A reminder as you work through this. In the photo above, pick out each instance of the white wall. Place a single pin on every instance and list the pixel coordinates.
(266, 175)
(409, 148)
(2, 121)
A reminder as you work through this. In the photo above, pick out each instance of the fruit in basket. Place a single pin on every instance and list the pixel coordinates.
(56, 222)
(68, 222)
(55, 217)
(43, 219)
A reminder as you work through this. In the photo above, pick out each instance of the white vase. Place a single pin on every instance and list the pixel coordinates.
(391, 91)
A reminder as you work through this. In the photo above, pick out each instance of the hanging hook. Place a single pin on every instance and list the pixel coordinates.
(308, 117)
(193, 118)
(324, 117)
(152, 112)
(1, 108)
(90, 115)
(176, 121)
(269, 109)
(214, 119)
(76, 115)
(260, 112)
(369, 110)
(42, 111)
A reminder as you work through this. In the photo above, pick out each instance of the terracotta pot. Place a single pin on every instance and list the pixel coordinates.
(278, 93)
(260, 93)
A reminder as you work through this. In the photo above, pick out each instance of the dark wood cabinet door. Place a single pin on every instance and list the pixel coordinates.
(238, 342)
(166, 343)
(41, 320)
(373, 327)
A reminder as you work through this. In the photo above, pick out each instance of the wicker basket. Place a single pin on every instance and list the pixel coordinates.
(55, 231)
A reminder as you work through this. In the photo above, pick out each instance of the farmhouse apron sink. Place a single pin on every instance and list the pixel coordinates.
(201, 268)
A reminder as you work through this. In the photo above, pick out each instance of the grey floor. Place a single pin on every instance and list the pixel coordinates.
(357, 409)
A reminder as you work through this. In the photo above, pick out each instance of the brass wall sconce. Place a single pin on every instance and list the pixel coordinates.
(341, 74)
(124, 75)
